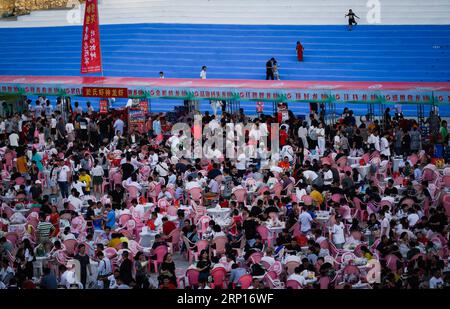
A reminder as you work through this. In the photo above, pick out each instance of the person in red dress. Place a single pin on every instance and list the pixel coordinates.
(299, 50)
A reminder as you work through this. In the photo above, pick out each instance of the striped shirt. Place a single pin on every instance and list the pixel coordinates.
(44, 229)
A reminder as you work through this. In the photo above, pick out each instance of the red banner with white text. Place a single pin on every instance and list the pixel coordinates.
(91, 60)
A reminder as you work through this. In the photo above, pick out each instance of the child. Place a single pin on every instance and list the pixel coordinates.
(275, 72)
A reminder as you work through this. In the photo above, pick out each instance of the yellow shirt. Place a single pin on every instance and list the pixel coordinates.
(114, 242)
(317, 197)
(87, 180)
(22, 164)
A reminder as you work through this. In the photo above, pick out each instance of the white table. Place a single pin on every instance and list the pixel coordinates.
(363, 170)
(18, 228)
(353, 160)
(147, 238)
(322, 216)
(23, 211)
(216, 213)
(396, 163)
(148, 206)
(274, 231)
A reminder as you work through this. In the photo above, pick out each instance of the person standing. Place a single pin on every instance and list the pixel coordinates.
(299, 48)
(85, 264)
(351, 19)
(203, 72)
(269, 69)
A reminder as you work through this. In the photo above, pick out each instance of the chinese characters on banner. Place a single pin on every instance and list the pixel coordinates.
(103, 106)
(144, 106)
(91, 60)
(102, 92)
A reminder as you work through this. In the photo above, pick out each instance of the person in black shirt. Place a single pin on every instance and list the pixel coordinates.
(85, 265)
(293, 247)
(127, 168)
(126, 268)
(249, 226)
(390, 189)
(269, 69)
(204, 267)
(351, 19)
(168, 270)
(306, 265)
(357, 140)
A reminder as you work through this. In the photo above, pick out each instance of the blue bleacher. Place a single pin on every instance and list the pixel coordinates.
(369, 53)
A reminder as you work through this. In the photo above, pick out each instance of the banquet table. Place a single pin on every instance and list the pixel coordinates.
(219, 213)
(363, 170)
(147, 238)
(23, 211)
(148, 206)
(396, 163)
(18, 228)
(353, 160)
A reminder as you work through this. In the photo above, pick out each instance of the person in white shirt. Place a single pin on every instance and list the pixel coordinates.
(337, 233)
(203, 72)
(436, 281)
(104, 268)
(305, 220)
(162, 168)
(413, 217)
(191, 184)
(384, 146)
(66, 235)
(310, 176)
(327, 176)
(70, 131)
(385, 225)
(320, 131)
(374, 140)
(140, 209)
(297, 276)
(14, 139)
(78, 185)
(302, 133)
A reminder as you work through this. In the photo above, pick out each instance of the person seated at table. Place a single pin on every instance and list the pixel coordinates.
(306, 265)
(257, 246)
(115, 240)
(390, 189)
(284, 238)
(159, 241)
(236, 273)
(165, 194)
(407, 171)
(316, 195)
(208, 234)
(66, 234)
(167, 270)
(167, 228)
(293, 247)
(296, 276)
(217, 231)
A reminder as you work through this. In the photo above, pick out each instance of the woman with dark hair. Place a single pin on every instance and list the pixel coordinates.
(204, 267)
(140, 264)
(168, 270)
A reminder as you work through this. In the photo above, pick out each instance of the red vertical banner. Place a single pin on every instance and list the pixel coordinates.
(91, 60)
(144, 106)
(103, 106)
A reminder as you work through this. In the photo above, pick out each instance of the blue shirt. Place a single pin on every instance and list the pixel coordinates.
(236, 274)
(313, 214)
(157, 127)
(111, 219)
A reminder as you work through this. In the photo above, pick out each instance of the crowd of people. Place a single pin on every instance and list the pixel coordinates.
(88, 202)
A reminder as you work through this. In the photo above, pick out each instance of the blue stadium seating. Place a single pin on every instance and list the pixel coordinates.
(369, 53)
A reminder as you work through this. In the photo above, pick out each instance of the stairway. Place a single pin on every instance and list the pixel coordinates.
(249, 12)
